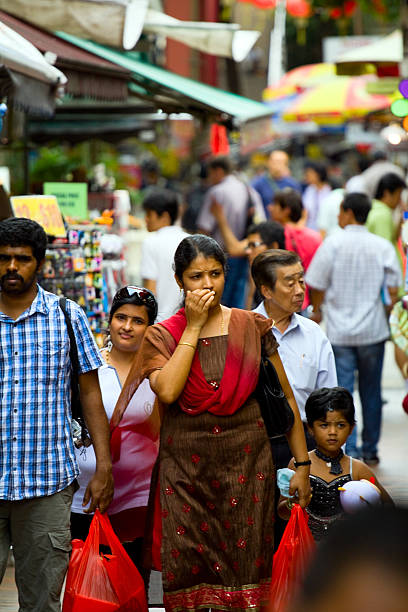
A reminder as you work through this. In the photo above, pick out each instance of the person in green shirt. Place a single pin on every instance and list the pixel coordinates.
(380, 220)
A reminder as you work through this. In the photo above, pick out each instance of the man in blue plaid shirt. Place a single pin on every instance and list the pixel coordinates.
(37, 461)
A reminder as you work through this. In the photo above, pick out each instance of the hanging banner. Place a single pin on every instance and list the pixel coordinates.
(41, 208)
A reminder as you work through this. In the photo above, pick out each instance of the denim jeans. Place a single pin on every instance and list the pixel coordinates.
(236, 282)
(367, 361)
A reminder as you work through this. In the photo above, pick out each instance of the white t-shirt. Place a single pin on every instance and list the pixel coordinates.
(157, 264)
(132, 472)
(327, 218)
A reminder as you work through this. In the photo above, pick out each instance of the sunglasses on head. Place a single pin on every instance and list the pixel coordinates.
(145, 296)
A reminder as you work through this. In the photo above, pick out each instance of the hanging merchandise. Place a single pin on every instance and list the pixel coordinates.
(73, 268)
(113, 266)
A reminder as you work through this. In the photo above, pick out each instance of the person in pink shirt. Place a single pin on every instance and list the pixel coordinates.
(135, 442)
(287, 209)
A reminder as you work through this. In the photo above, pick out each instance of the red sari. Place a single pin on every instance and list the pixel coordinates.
(215, 476)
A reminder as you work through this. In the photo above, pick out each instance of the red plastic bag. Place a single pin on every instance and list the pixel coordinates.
(291, 559)
(102, 583)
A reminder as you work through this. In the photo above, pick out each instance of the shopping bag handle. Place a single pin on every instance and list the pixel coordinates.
(111, 539)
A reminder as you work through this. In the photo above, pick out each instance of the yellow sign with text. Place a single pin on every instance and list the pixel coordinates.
(41, 208)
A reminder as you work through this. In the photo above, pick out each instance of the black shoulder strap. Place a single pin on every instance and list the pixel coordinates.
(73, 354)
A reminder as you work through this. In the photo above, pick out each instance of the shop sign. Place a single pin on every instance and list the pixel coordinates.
(41, 208)
(72, 198)
(255, 134)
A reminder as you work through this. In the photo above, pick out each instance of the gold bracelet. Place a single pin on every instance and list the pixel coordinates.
(187, 344)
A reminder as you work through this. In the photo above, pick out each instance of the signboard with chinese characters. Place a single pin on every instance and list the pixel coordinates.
(41, 208)
(335, 46)
(72, 198)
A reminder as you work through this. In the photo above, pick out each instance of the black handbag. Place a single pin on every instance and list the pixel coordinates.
(275, 409)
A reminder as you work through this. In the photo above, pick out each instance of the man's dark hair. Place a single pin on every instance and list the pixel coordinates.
(359, 203)
(290, 198)
(220, 162)
(265, 265)
(389, 182)
(161, 201)
(270, 232)
(19, 231)
(150, 166)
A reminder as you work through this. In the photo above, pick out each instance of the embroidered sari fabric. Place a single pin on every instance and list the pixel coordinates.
(216, 486)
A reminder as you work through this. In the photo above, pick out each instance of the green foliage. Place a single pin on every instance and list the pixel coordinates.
(53, 164)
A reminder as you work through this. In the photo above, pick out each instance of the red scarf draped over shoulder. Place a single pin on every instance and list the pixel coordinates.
(240, 374)
(241, 369)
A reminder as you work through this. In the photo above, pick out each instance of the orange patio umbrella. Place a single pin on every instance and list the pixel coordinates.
(337, 101)
(299, 79)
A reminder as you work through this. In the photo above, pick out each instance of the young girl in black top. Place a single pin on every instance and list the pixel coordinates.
(330, 417)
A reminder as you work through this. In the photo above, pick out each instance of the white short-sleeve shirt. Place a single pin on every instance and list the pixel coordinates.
(157, 264)
(353, 267)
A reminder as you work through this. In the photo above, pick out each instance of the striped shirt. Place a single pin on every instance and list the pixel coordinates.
(353, 267)
(37, 455)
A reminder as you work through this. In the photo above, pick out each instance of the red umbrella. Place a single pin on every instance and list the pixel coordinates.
(295, 8)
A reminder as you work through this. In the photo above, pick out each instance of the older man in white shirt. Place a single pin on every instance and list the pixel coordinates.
(304, 349)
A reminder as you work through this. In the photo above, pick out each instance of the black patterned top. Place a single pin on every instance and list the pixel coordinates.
(325, 507)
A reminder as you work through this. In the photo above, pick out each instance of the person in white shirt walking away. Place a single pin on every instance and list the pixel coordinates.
(356, 273)
(162, 208)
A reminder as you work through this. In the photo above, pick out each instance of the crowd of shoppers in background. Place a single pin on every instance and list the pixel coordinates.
(231, 266)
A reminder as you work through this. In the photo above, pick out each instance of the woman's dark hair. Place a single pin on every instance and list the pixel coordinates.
(290, 198)
(195, 245)
(324, 400)
(19, 231)
(161, 201)
(265, 265)
(136, 296)
(320, 168)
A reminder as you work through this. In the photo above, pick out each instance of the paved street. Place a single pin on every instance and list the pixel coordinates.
(391, 471)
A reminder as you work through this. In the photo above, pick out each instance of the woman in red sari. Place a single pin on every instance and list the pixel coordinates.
(212, 495)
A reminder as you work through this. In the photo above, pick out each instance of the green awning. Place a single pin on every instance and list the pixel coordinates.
(174, 93)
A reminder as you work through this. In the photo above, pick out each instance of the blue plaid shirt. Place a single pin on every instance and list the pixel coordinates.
(37, 455)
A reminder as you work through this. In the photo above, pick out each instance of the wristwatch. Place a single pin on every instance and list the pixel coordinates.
(300, 463)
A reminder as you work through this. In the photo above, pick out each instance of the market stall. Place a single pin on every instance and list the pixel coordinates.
(74, 263)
